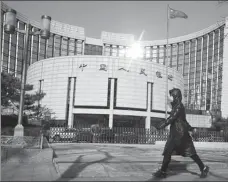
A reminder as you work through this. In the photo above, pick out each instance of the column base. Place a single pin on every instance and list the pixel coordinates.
(18, 138)
(19, 131)
(147, 122)
(110, 121)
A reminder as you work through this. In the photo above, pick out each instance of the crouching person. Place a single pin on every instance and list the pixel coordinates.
(179, 140)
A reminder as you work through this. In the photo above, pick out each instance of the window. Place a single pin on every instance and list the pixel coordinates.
(6, 44)
(42, 52)
(192, 55)
(174, 55)
(221, 42)
(216, 46)
(114, 50)
(107, 50)
(79, 47)
(30, 48)
(122, 51)
(155, 52)
(19, 66)
(12, 56)
(93, 49)
(161, 54)
(2, 20)
(210, 50)
(35, 47)
(204, 60)
(71, 47)
(147, 52)
(180, 57)
(50, 46)
(5, 62)
(64, 46)
(57, 44)
(186, 58)
(198, 54)
(167, 54)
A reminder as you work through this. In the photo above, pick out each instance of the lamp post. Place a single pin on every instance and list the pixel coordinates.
(10, 28)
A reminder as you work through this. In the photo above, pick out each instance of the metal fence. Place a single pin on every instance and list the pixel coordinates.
(124, 135)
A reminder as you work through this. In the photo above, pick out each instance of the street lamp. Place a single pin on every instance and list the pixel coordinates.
(10, 28)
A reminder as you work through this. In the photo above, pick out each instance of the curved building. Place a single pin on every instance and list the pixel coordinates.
(102, 86)
(200, 57)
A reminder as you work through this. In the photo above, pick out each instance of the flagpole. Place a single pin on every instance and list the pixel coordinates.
(166, 64)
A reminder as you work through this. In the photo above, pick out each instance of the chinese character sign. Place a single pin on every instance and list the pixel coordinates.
(170, 77)
(103, 67)
(143, 72)
(82, 66)
(158, 74)
(123, 69)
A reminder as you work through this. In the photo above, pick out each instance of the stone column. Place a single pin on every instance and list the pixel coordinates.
(71, 103)
(147, 124)
(110, 124)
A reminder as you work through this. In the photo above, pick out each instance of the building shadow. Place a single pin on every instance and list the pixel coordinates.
(175, 168)
(77, 167)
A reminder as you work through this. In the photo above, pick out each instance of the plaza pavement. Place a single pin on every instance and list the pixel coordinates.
(18, 164)
(115, 162)
(119, 162)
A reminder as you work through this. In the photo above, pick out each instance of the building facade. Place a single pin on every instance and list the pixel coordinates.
(102, 86)
(200, 57)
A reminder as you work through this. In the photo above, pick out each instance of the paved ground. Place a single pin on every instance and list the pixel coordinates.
(107, 162)
(28, 172)
(27, 165)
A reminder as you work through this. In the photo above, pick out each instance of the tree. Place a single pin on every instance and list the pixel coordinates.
(220, 123)
(10, 89)
(11, 96)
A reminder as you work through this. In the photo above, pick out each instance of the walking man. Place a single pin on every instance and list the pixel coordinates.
(179, 140)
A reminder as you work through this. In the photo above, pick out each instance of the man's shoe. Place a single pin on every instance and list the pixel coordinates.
(160, 174)
(204, 172)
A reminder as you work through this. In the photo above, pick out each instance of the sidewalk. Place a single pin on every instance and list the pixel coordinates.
(102, 162)
(28, 172)
(26, 164)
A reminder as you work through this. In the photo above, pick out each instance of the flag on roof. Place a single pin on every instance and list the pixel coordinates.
(176, 14)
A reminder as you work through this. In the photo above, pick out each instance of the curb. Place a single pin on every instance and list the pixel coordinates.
(56, 166)
(109, 144)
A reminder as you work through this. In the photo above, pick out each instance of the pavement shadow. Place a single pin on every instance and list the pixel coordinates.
(75, 169)
(175, 168)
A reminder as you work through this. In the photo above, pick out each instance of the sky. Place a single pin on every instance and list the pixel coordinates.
(128, 17)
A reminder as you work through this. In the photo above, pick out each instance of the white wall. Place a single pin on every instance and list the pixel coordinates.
(92, 84)
(91, 88)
